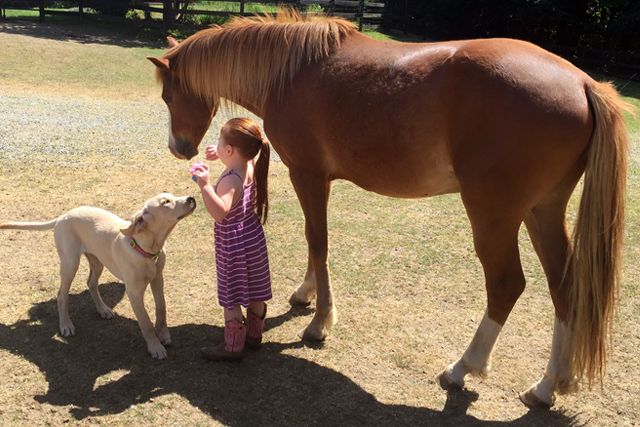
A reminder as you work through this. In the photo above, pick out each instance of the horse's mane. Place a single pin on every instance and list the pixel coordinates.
(253, 55)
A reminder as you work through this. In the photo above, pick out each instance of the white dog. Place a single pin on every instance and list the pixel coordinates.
(132, 252)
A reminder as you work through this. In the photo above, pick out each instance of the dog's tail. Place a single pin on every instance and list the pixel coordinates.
(38, 226)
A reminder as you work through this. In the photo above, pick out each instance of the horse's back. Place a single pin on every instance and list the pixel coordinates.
(426, 116)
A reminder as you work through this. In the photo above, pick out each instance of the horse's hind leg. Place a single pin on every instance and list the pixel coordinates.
(548, 230)
(95, 270)
(313, 193)
(496, 243)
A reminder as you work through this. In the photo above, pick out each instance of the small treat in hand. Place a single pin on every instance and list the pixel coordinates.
(195, 166)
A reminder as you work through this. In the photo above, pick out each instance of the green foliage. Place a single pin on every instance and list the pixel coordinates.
(112, 10)
(600, 24)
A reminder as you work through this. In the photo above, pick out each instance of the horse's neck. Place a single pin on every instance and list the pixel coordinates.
(250, 106)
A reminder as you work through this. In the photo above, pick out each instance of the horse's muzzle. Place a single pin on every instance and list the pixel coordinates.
(183, 149)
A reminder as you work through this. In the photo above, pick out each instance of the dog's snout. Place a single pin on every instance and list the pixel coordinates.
(191, 202)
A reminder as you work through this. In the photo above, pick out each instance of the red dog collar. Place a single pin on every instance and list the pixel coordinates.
(141, 251)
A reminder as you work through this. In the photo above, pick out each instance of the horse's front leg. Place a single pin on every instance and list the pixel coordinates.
(313, 192)
(306, 292)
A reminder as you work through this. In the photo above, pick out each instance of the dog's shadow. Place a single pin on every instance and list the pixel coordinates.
(104, 369)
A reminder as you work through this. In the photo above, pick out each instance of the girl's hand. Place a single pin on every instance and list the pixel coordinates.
(212, 153)
(201, 172)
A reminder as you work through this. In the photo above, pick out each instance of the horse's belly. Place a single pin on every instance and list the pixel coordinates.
(405, 181)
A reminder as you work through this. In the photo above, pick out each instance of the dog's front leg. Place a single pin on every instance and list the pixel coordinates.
(135, 292)
(157, 288)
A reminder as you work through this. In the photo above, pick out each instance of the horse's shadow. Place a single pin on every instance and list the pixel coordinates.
(105, 369)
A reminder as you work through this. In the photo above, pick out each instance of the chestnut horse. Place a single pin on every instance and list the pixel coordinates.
(508, 125)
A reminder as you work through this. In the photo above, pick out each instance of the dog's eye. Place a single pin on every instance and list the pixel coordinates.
(166, 202)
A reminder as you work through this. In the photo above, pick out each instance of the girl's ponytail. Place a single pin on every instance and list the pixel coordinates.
(261, 177)
(246, 136)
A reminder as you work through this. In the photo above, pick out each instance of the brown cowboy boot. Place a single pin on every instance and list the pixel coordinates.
(255, 325)
(235, 333)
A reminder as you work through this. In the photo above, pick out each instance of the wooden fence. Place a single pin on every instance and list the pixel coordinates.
(170, 14)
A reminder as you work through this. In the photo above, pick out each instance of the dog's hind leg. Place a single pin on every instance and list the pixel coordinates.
(68, 268)
(95, 270)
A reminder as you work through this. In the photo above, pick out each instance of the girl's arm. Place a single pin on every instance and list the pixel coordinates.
(218, 205)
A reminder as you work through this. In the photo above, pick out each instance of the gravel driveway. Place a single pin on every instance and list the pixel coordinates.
(63, 130)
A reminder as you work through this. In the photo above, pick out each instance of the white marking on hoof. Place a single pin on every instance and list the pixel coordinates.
(307, 334)
(447, 382)
(532, 399)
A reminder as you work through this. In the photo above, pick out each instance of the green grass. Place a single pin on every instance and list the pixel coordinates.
(394, 35)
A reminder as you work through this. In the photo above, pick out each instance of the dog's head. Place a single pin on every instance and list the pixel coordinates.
(160, 214)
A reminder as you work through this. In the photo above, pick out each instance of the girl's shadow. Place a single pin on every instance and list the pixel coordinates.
(104, 369)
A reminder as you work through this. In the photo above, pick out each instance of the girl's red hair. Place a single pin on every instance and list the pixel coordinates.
(246, 136)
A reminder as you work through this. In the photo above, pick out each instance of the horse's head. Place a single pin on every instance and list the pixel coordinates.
(189, 115)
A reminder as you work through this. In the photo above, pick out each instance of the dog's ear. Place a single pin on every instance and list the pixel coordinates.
(138, 223)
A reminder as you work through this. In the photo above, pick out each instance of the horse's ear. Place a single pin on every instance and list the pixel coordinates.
(172, 42)
(160, 62)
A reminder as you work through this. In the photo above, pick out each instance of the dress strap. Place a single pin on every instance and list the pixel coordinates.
(231, 172)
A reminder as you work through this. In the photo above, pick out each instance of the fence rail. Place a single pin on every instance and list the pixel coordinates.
(171, 14)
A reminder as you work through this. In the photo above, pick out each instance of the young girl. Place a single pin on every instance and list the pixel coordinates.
(239, 204)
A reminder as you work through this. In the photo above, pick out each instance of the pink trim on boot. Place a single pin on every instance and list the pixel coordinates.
(255, 325)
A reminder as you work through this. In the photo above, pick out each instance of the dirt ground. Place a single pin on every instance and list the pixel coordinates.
(409, 293)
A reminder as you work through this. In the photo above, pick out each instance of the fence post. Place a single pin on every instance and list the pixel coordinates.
(406, 12)
(167, 14)
(332, 4)
(361, 15)
(242, 7)
(41, 7)
(80, 11)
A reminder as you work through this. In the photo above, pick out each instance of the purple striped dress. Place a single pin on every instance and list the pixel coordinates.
(241, 252)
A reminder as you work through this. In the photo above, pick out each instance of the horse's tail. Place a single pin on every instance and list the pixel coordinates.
(38, 226)
(594, 264)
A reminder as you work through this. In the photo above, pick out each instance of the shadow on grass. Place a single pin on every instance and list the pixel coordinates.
(128, 35)
(95, 32)
(268, 388)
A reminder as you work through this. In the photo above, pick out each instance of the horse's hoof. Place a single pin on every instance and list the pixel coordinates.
(297, 302)
(306, 335)
(533, 401)
(447, 383)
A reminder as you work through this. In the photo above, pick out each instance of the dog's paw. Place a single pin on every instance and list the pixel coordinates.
(164, 337)
(157, 350)
(67, 330)
(105, 312)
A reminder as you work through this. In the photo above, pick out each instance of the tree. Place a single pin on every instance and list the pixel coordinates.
(608, 24)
